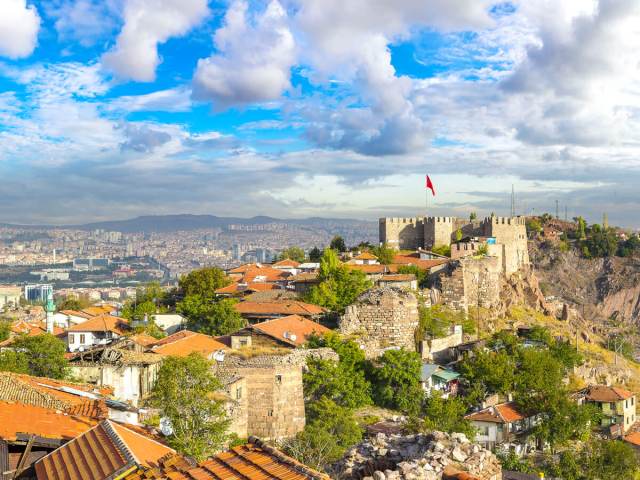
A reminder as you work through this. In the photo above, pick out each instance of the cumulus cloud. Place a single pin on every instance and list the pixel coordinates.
(19, 26)
(146, 24)
(85, 21)
(254, 59)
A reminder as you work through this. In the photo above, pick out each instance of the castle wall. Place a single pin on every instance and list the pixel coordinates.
(382, 318)
(402, 233)
(511, 233)
(438, 231)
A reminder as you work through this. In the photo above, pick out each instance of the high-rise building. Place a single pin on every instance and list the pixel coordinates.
(38, 292)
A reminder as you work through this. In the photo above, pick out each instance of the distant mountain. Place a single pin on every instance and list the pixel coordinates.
(172, 223)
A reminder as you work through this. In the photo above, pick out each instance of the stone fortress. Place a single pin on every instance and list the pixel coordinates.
(504, 237)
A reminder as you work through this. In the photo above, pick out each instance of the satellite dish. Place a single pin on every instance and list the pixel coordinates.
(219, 356)
(292, 337)
(81, 349)
(166, 427)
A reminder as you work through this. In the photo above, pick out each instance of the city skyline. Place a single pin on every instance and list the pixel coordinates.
(299, 108)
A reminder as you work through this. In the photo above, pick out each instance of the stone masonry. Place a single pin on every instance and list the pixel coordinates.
(382, 318)
(431, 456)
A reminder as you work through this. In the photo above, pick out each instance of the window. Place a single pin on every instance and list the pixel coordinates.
(238, 393)
(243, 342)
(82, 338)
(71, 338)
(270, 413)
(633, 399)
(278, 379)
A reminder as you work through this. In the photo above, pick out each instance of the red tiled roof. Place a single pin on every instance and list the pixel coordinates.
(239, 287)
(372, 269)
(278, 307)
(184, 342)
(366, 256)
(287, 262)
(22, 327)
(399, 277)
(75, 313)
(16, 418)
(299, 326)
(634, 438)
(143, 339)
(503, 413)
(603, 393)
(98, 310)
(102, 323)
(414, 259)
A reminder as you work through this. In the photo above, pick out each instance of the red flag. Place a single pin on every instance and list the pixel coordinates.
(429, 185)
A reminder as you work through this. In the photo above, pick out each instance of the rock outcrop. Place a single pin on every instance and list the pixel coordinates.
(432, 456)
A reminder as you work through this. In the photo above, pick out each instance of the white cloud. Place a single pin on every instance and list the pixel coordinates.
(86, 21)
(171, 100)
(19, 26)
(254, 58)
(146, 24)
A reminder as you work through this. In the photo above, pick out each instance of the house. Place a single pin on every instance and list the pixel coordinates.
(29, 328)
(399, 280)
(185, 342)
(114, 451)
(287, 265)
(303, 282)
(122, 365)
(617, 406)
(10, 296)
(258, 311)
(239, 289)
(169, 322)
(291, 331)
(99, 330)
(68, 318)
(107, 451)
(436, 378)
(365, 258)
(500, 424)
(256, 272)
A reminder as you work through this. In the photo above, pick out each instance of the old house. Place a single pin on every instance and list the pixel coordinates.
(617, 406)
(100, 330)
(122, 365)
(435, 378)
(290, 331)
(500, 424)
(303, 282)
(185, 342)
(254, 311)
(407, 281)
(169, 322)
(365, 258)
(240, 289)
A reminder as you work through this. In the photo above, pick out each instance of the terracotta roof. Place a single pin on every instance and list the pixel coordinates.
(399, 277)
(270, 274)
(143, 339)
(278, 307)
(634, 438)
(414, 259)
(602, 393)
(287, 262)
(22, 327)
(16, 418)
(304, 278)
(76, 313)
(366, 256)
(184, 342)
(242, 268)
(375, 268)
(282, 328)
(98, 310)
(503, 413)
(102, 323)
(239, 287)
(108, 450)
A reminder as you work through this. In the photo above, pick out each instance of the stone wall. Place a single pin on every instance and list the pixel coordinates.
(402, 233)
(382, 318)
(436, 349)
(511, 234)
(438, 231)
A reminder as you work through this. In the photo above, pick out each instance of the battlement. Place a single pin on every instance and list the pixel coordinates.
(402, 220)
(441, 220)
(505, 220)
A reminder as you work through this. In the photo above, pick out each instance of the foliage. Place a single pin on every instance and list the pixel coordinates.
(315, 254)
(203, 282)
(149, 301)
(150, 328)
(12, 361)
(601, 243)
(344, 381)
(293, 253)
(483, 249)
(489, 372)
(184, 393)
(446, 415)
(330, 432)
(629, 247)
(581, 230)
(211, 317)
(458, 235)
(444, 250)
(5, 329)
(422, 276)
(533, 225)
(45, 355)
(339, 286)
(396, 381)
(70, 303)
(337, 244)
(385, 254)
(435, 322)
(512, 462)
(473, 216)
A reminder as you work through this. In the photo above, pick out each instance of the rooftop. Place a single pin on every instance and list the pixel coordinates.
(102, 323)
(184, 342)
(502, 413)
(605, 394)
(292, 329)
(278, 307)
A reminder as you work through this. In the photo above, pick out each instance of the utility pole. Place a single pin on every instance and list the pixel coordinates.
(513, 201)
(566, 217)
(557, 210)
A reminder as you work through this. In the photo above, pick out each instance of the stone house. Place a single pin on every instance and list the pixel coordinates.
(407, 281)
(618, 406)
(291, 331)
(382, 318)
(500, 424)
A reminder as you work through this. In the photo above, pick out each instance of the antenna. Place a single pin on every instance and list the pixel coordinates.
(566, 217)
(557, 210)
(513, 201)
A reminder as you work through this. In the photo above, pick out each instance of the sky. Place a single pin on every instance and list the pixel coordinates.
(111, 109)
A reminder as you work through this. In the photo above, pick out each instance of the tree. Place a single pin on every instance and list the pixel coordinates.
(185, 394)
(293, 253)
(472, 216)
(149, 301)
(581, 230)
(337, 244)
(444, 250)
(338, 285)
(45, 355)
(422, 276)
(446, 415)
(12, 361)
(203, 282)
(601, 243)
(458, 235)
(315, 254)
(211, 317)
(396, 381)
(385, 254)
(70, 303)
(5, 329)
(533, 226)
(490, 372)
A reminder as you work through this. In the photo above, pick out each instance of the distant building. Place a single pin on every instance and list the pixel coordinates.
(37, 293)
(100, 330)
(10, 296)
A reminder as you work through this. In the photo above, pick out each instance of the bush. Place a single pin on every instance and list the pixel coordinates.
(396, 381)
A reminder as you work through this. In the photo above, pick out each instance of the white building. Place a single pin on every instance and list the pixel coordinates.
(10, 296)
(100, 330)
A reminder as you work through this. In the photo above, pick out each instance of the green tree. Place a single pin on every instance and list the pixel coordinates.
(489, 371)
(211, 317)
(472, 216)
(70, 303)
(12, 361)
(601, 243)
(444, 250)
(533, 226)
(422, 276)
(5, 330)
(315, 254)
(396, 381)
(609, 460)
(293, 253)
(581, 230)
(45, 355)
(337, 244)
(149, 301)
(458, 235)
(185, 393)
(446, 415)
(338, 285)
(512, 462)
(385, 254)
(203, 282)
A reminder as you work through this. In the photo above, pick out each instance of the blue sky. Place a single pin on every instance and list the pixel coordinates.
(292, 108)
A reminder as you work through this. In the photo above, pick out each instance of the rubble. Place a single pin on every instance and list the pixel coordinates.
(417, 457)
